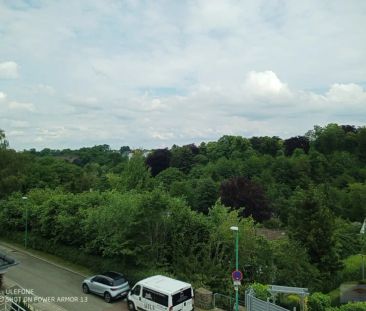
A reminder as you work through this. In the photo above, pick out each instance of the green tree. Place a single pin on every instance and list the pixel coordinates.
(355, 202)
(312, 224)
(205, 195)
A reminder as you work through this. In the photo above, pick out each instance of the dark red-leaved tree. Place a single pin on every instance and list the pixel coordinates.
(240, 192)
(158, 161)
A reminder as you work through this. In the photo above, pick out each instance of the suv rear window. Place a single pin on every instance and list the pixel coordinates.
(182, 296)
(119, 281)
(117, 278)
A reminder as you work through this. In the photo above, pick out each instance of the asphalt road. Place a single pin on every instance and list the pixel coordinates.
(55, 284)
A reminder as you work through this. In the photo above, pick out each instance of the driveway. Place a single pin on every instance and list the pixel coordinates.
(55, 284)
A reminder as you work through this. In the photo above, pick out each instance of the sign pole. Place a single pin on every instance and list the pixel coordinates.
(237, 268)
(237, 276)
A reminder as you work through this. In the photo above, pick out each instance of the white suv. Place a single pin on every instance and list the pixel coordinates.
(110, 285)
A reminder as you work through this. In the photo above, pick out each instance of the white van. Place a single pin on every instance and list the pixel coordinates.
(160, 293)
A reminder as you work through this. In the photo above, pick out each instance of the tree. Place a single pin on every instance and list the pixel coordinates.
(312, 224)
(361, 138)
(158, 160)
(183, 157)
(294, 269)
(241, 192)
(169, 176)
(135, 175)
(297, 142)
(205, 195)
(355, 202)
(329, 139)
(266, 145)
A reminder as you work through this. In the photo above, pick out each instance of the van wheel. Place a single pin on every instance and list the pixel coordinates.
(107, 297)
(131, 306)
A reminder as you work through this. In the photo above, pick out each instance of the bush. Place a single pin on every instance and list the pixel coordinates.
(261, 291)
(352, 268)
(318, 302)
(357, 306)
(290, 302)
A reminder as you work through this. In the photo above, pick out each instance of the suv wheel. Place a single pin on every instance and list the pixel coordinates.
(85, 289)
(107, 297)
(131, 306)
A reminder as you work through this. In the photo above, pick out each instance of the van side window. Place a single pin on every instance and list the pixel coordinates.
(137, 290)
(146, 293)
(157, 297)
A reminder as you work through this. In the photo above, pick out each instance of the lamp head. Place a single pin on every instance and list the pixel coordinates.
(234, 228)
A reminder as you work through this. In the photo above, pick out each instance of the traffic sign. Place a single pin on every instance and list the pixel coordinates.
(237, 275)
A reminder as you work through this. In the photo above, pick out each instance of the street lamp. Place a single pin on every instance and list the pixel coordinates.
(26, 223)
(236, 229)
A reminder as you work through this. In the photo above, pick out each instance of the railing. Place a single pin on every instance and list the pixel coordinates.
(10, 305)
(225, 302)
(254, 304)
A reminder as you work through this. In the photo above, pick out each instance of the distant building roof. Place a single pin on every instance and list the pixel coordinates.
(6, 262)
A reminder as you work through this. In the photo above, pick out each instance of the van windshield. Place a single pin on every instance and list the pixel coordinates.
(182, 296)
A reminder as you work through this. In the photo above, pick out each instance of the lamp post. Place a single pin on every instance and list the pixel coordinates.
(236, 229)
(26, 223)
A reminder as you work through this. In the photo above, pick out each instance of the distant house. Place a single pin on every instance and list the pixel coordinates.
(143, 152)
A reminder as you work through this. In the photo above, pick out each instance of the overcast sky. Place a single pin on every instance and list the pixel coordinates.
(155, 73)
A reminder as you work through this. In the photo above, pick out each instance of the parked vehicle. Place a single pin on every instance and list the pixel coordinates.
(110, 285)
(160, 293)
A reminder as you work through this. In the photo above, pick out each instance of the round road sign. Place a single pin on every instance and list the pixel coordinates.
(237, 275)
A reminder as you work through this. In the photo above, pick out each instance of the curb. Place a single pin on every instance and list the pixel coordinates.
(10, 246)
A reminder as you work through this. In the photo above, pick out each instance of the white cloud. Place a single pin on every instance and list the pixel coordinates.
(162, 135)
(19, 124)
(44, 89)
(16, 133)
(346, 93)
(9, 70)
(265, 83)
(2, 96)
(21, 106)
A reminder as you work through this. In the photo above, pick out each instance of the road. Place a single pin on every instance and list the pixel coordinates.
(55, 284)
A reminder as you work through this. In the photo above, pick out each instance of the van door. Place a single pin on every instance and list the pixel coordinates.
(135, 297)
(182, 300)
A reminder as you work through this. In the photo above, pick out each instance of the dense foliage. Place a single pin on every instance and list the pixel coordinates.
(170, 210)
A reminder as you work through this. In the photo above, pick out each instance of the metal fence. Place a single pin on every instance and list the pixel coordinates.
(7, 304)
(254, 304)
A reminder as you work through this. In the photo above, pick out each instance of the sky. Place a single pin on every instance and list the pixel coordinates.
(150, 74)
